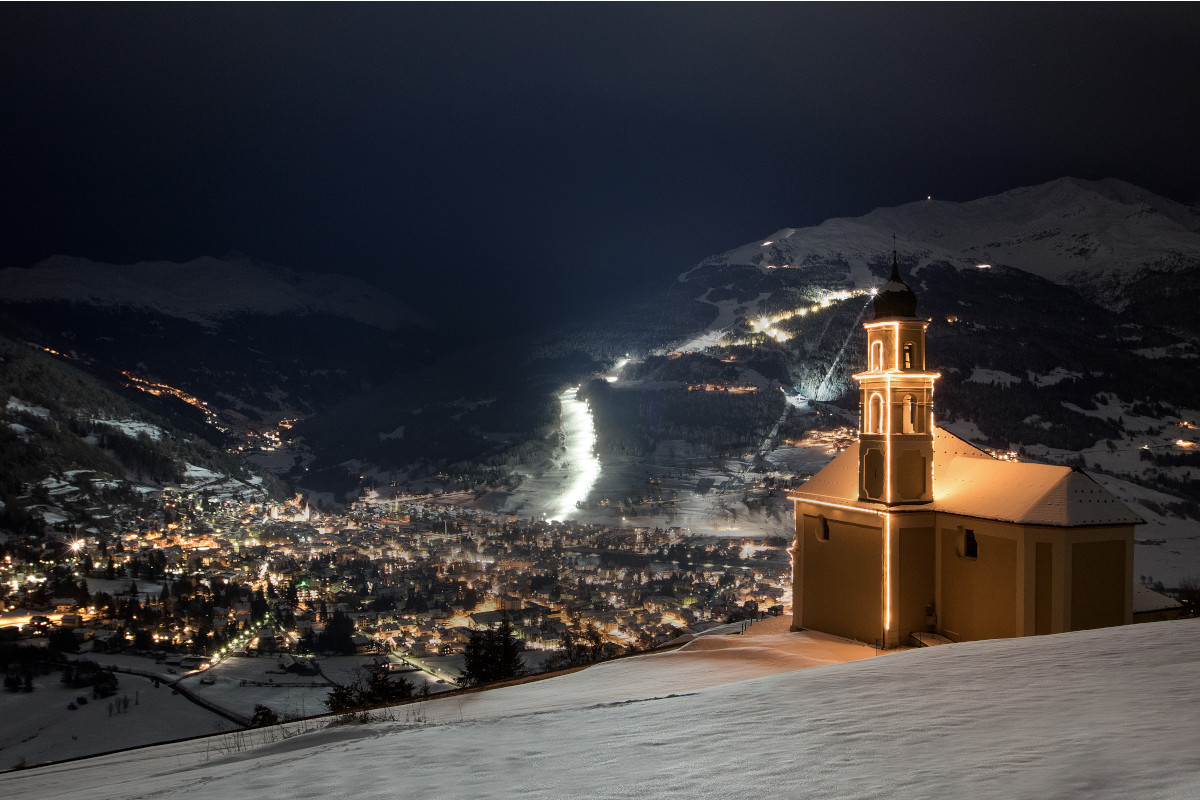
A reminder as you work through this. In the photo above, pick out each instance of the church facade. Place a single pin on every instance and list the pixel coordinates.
(913, 531)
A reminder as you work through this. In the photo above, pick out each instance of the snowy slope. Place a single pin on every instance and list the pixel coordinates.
(1107, 713)
(41, 726)
(1073, 232)
(204, 290)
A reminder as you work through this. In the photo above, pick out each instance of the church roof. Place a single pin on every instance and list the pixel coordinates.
(895, 300)
(969, 482)
(1147, 601)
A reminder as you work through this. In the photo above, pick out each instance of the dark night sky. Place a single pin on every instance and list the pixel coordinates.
(503, 155)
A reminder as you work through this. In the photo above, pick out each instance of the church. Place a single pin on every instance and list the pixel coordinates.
(912, 534)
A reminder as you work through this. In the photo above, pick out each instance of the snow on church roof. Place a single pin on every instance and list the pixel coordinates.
(969, 482)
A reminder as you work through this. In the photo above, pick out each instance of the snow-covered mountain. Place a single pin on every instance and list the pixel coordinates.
(205, 290)
(252, 339)
(1071, 271)
(1095, 236)
(1062, 320)
(75, 453)
(1086, 304)
(1101, 714)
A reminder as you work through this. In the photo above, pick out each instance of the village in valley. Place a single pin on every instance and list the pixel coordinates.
(203, 583)
(253, 610)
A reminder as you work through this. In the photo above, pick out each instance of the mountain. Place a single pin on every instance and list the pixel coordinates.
(1062, 324)
(1122, 249)
(1097, 237)
(1062, 319)
(208, 291)
(1105, 713)
(85, 458)
(257, 343)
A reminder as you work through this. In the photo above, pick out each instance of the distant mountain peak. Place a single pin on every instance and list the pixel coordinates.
(206, 290)
(1090, 235)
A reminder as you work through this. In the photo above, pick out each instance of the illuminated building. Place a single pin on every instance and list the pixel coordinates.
(294, 510)
(912, 534)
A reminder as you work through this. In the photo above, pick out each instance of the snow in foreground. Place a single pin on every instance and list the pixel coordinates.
(40, 726)
(1107, 713)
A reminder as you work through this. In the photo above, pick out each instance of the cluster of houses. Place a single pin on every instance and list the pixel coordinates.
(412, 576)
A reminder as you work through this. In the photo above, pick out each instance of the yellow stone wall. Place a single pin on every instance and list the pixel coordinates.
(839, 581)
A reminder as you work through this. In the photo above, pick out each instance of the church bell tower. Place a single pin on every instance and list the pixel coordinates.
(895, 432)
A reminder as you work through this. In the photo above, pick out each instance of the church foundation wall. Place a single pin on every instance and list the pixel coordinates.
(978, 593)
(1096, 568)
(916, 580)
(840, 587)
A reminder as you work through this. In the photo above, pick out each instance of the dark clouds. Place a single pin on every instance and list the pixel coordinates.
(500, 152)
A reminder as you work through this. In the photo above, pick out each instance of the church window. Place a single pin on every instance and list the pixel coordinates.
(822, 529)
(910, 414)
(876, 355)
(875, 414)
(968, 547)
(908, 355)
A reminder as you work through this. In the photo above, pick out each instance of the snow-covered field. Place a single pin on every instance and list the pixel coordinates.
(241, 683)
(133, 428)
(1167, 547)
(39, 726)
(1106, 713)
(992, 376)
(197, 479)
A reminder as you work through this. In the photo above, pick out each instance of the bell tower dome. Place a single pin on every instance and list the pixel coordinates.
(895, 433)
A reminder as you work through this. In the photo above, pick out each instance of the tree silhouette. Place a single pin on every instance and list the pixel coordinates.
(263, 717)
(492, 655)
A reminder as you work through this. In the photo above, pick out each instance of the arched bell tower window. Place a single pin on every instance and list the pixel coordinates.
(876, 355)
(875, 414)
(908, 355)
(910, 414)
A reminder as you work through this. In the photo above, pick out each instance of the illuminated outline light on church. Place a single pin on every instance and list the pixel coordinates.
(914, 536)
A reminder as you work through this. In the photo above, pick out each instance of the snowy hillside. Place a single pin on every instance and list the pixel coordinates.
(1106, 713)
(255, 342)
(75, 454)
(1074, 232)
(1061, 321)
(205, 290)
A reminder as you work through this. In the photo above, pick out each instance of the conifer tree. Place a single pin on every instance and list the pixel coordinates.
(492, 655)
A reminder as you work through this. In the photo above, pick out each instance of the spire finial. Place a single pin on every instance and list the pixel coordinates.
(895, 261)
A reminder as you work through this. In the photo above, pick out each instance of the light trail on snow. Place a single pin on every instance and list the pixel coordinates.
(583, 467)
(819, 395)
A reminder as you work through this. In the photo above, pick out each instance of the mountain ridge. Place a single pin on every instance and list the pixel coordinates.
(1095, 236)
(1086, 278)
(206, 290)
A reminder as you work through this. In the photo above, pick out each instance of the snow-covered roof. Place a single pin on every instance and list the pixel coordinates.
(1147, 601)
(970, 482)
